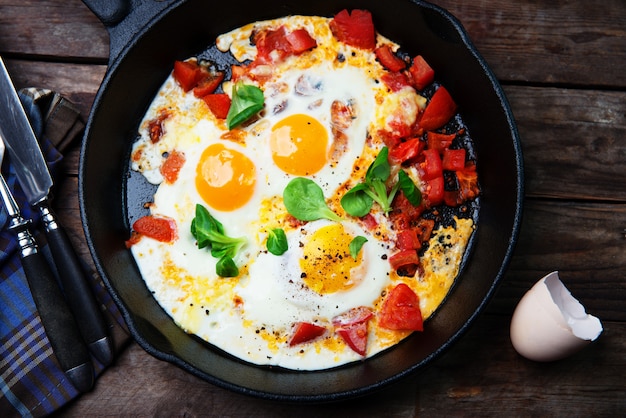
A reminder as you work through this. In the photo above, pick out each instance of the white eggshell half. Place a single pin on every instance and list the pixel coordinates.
(550, 324)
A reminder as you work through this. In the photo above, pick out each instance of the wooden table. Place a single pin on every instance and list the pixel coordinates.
(563, 67)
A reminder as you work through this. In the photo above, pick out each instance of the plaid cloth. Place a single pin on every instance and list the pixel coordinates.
(31, 380)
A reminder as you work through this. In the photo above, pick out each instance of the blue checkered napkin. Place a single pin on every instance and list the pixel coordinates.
(31, 381)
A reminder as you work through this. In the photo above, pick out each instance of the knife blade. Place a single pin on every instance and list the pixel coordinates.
(57, 320)
(36, 181)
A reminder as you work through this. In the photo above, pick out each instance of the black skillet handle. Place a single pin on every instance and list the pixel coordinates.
(80, 297)
(57, 320)
(125, 19)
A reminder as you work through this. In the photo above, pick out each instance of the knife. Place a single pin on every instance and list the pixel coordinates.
(36, 181)
(56, 318)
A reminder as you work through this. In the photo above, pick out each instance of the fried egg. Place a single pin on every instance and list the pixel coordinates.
(319, 121)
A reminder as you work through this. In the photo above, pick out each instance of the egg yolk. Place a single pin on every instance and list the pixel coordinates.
(299, 145)
(225, 178)
(327, 266)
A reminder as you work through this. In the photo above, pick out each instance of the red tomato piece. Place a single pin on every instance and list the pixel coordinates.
(157, 227)
(268, 41)
(432, 166)
(352, 327)
(395, 81)
(218, 103)
(388, 59)
(237, 71)
(401, 310)
(424, 229)
(439, 141)
(408, 240)
(172, 165)
(421, 73)
(356, 28)
(155, 126)
(208, 84)
(433, 193)
(300, 41)
(305, 331)
(439, 110)
(369, 221)
(406, 150)
(454, 159)
(186, 74)
(468, 183)
(404, 258)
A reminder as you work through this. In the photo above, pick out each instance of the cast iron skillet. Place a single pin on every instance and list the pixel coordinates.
(146, 37)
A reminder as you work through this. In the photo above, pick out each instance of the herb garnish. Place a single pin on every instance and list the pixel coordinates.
(304, 200)
(277, 241)
(356, 244)
(247, 100)
(358, 201)
(208, 231)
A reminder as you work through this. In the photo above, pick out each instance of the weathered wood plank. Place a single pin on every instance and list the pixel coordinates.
(52, 29)
(548, 41)
(481, 375)
(572, 141)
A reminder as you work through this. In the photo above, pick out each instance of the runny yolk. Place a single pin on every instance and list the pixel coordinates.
(327, 266)
(299, 145)
(225, 178)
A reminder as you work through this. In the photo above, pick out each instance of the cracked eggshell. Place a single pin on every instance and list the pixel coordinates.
(550, 324)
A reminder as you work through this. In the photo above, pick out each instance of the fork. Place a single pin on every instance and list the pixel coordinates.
(60, 326)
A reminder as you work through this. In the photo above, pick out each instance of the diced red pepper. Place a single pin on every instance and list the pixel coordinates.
(172, 165)
(439, 110)
(388, 59)
(439, 141)
(433, 193)
(454, 159)
(404, 258)
(395, 81)
(406, 150)
(408, 240)
(370, 221)
(356, 28)
(305, 331)
(300, 41)
(421, 73)
(218, 103)
(187, 74)
(352, 328)
(432, 166)
(208, 84)
(160, 228)
(401, 310)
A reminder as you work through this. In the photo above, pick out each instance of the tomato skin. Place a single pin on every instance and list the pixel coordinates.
(218, 103)
(388, 59)
(432, 166)
(439, 110)
(157, 227)
(439, 141)
(352, 327)
(395, 81)
(407, 150)
(408, 240)
(186, 74)
(172, 165)
(300, 41)
(305, 331)
(208, 84)
(454, 159)
(401, 310)
(421, 73)
(404, 258)
(355, 29)
(434, 191)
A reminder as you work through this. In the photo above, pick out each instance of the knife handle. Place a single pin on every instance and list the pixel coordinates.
(79, 295)
(58, 322)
